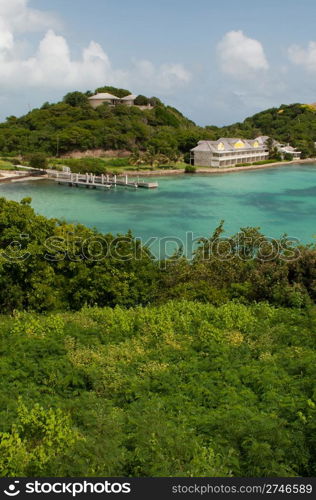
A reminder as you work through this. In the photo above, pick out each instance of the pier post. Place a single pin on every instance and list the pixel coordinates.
(126, 180)
(115, 179)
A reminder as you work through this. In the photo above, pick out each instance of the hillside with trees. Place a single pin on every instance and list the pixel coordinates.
(294, 124)
(57, 265)
(73, 125)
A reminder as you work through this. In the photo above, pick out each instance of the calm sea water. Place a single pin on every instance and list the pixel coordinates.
(278, 200)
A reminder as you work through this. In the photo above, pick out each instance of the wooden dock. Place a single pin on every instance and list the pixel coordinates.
(102, 181)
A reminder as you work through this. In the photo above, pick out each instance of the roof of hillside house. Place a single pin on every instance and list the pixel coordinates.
(262, 138)
(103, 95)
(130, 97)
(289, 149)
(228, 144)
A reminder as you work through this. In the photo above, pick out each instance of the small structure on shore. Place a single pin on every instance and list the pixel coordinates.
(288, 150)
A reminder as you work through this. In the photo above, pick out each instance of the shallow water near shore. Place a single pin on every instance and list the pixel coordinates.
(278, 200)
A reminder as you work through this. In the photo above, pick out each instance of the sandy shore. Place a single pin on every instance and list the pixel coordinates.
(210, 170)
(12, 176)
(30, 178)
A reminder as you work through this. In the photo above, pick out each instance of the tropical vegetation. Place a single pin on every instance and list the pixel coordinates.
(180, 389)
(157, 135)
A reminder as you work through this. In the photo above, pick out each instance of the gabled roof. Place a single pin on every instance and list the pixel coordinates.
(289, 149)
(228, 144)
(262, 137)
(204, 146)
(130, 97)
(103, 95)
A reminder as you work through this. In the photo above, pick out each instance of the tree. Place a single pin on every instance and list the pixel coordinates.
(154, 101)
(288, 156)
(36, 442)
(270, 146)
(141, 100)
(38, 160)
(75, 99)
(114, 91)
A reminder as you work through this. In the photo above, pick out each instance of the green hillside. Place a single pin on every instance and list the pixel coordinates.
(72, 125)
(294, 124)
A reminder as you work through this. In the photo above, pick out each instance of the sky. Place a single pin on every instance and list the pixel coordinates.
(216, 61)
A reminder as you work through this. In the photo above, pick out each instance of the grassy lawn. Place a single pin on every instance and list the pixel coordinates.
(6, 165)
(108, 165)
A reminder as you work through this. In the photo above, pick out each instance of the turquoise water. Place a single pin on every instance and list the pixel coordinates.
(278, 200)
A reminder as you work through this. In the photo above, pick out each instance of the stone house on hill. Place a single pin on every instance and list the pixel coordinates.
(102, 97)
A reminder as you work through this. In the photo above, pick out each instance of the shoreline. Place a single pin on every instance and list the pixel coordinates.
(213, 170)
(10, 177)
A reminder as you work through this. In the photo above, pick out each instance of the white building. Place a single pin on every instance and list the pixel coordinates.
(102, 97)
(281, 148)
(227, 152)
(128, 100)
(289, 150)
(98, 99)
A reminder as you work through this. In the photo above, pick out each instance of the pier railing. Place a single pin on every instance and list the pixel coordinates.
(94, 181)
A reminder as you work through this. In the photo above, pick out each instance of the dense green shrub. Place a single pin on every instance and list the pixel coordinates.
(37, 160)
(184, 389)
(56, 265)
(141, 100)
(75, 99)
(190, 169)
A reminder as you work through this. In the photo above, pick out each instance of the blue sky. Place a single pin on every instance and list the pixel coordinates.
(218, 62)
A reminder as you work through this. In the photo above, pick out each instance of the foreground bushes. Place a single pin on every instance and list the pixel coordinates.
(46, 265)
(183, 389)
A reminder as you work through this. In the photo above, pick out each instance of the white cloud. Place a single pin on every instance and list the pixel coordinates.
(240, 56)
(163, 77)
(304, 57)
(21, 18)
(52, 64)
(6, 36)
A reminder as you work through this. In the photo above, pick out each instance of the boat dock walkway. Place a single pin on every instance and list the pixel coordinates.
(101, 181)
